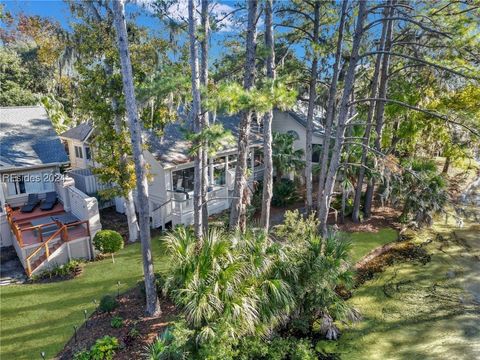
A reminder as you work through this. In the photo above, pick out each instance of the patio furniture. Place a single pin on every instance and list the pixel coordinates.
(46, 230)
(32, 202)
(50, 201)
(65, 219)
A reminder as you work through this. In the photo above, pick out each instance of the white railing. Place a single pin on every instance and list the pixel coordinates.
(182, 208)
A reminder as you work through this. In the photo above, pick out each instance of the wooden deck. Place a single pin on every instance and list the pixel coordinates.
(44, 226)
(25, 218)
(75, 232)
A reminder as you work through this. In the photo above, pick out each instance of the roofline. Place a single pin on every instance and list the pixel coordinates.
(31, 167)
(70, 138)
(300, 121)
(230, 151)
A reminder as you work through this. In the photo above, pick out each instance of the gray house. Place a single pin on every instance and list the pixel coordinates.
(31, 155)
(172, 170)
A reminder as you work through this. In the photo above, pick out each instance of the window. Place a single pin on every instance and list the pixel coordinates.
(78, 152)
(65, 145)
(183, 179)
(294, 134)
(17, 185)
(258, 158)
(316, 152)
(88, 156)
(219, 171)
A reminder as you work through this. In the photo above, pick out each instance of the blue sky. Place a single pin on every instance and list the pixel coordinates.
(59, 10)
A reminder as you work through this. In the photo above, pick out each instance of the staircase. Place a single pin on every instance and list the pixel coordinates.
(39, 260)
(44, 251)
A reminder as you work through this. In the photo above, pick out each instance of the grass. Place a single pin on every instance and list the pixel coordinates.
(415, 311)
(364, 242)
(40, 317)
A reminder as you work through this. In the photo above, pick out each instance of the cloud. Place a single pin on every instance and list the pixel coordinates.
(178, 10)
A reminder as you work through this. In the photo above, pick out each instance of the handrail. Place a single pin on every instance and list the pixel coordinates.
(54, 235)
(37, 226)
(44, 245)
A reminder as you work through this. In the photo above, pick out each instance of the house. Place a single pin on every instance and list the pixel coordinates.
(294, 122)
(31, 159)
(77, 145)
(171, 164)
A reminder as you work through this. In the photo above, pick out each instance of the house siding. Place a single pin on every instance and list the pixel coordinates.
(284, 122)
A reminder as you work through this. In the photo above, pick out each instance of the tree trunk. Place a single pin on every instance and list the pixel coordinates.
(128, 202)
(312, 97)
(238, 211)
(153, 305)
(331, 107)
(205, 21)
(342, 120)
(368, 128)
(267, 121)
(446, 166)
(195, 113)
(380, 107)
(131, 217)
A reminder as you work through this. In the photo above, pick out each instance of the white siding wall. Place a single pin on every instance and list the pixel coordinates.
(85, 207)
(77, 162)
(283, 122)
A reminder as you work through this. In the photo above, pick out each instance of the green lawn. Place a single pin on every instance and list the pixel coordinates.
(364, 242)
(420, 311)
(40, 317)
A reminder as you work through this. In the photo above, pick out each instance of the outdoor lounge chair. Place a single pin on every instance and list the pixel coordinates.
(32, 202)
(50, 201)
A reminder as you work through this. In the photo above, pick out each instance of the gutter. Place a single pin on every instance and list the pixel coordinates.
(30, 167)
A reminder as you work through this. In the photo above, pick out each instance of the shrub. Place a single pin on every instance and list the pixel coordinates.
(104, 348)
(108, 304)
(284, 193)
(303, 350)
(132, 335)
(62, 272)
(108, 242)
(116, 322)
(82, 355)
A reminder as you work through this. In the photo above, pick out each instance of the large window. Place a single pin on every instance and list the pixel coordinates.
(183, 179)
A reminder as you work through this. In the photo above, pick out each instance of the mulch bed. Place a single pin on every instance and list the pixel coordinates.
(112, 220)
(132, 309)
(381, 217)
(378, 259)
(46, 278)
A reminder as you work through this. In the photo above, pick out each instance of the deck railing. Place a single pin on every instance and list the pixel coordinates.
(63, 232)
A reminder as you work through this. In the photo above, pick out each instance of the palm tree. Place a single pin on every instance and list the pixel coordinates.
(284, 156)
(227, 283)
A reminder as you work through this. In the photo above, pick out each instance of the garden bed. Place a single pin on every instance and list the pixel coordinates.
(379, 259)
(134, 335)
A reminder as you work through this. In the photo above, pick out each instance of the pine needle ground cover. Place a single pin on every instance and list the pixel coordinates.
(40, 317)
(416, 310)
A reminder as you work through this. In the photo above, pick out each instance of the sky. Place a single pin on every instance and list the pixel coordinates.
(58, 10)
